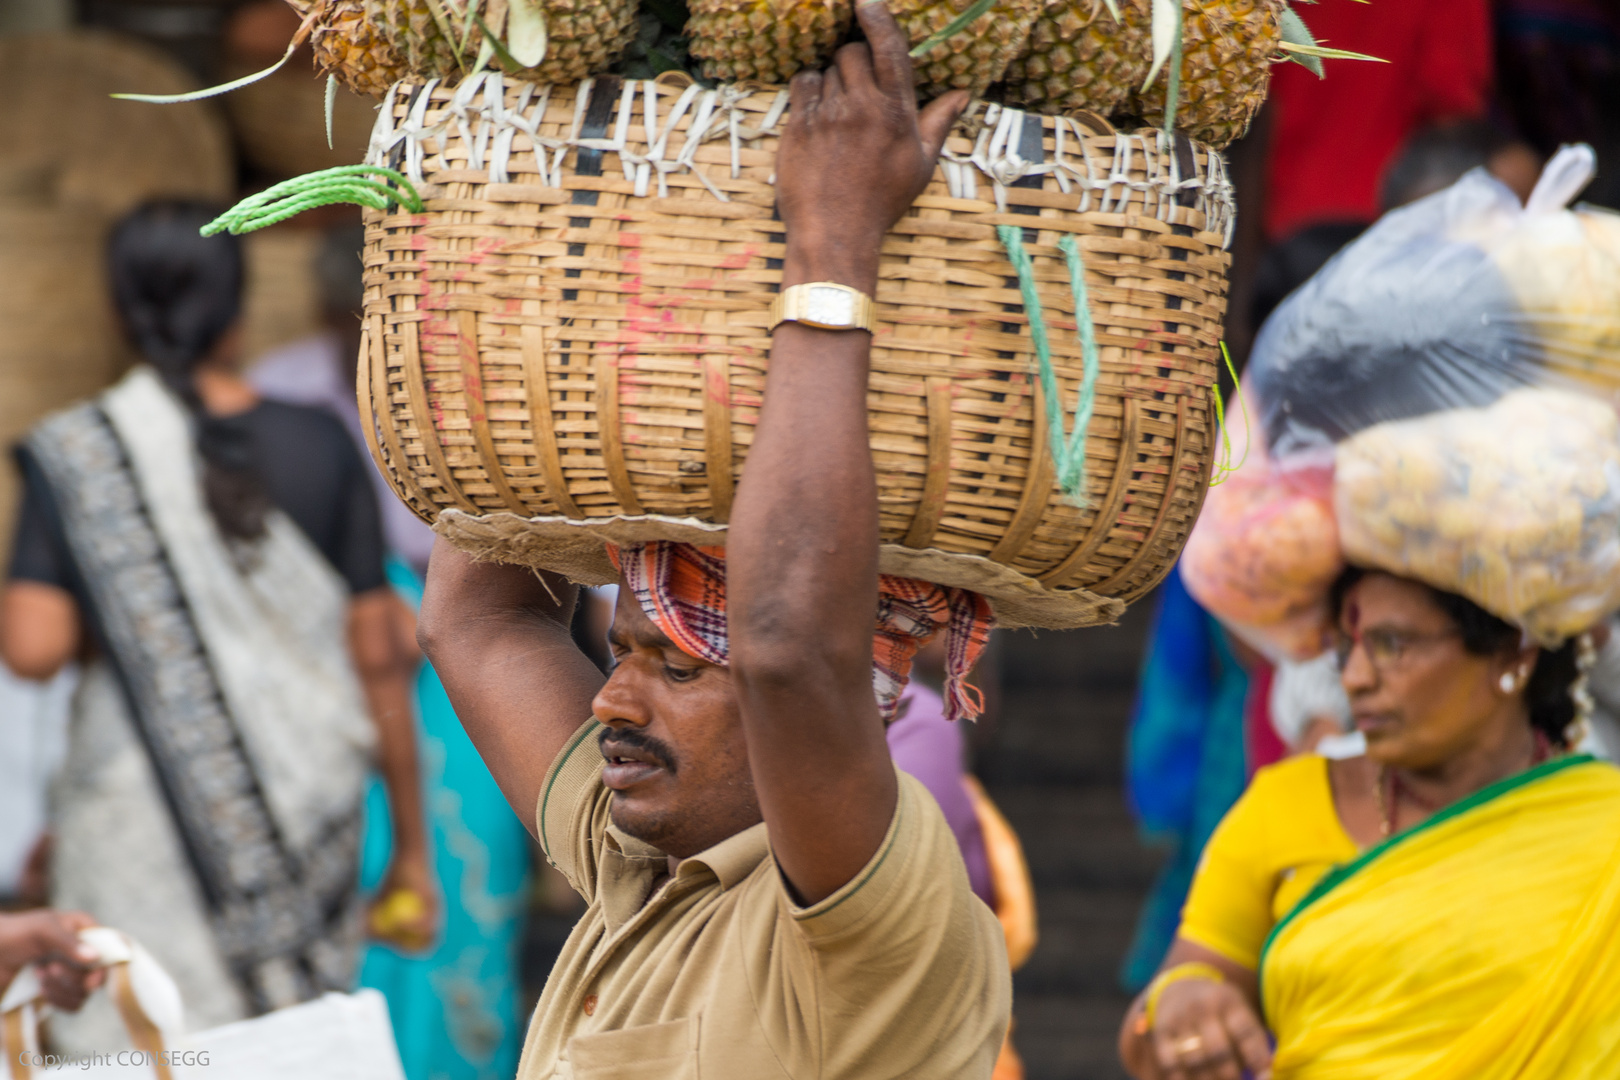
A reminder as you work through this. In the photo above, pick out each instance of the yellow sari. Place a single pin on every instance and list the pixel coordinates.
(1484, 944)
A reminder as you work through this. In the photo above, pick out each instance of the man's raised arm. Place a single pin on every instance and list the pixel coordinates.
(498, 637)
(802, 549)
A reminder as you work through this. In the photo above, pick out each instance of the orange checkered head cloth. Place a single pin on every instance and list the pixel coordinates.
(682, 588)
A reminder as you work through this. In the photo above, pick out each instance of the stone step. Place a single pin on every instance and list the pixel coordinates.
(1069, 1037)
(1054, 763)
(1078, 836)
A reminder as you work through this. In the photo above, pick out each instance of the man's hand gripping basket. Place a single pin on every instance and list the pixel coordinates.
(568, 346)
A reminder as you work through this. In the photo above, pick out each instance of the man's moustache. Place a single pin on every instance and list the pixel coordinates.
(636, 739)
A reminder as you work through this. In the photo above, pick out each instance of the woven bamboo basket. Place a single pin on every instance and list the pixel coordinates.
(568, 347)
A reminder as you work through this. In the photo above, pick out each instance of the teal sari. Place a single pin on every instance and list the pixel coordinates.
(455, 1009)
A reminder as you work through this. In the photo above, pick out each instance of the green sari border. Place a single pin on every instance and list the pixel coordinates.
(1340, 874)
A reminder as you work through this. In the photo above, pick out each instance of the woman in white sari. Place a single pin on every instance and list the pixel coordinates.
(215, 563)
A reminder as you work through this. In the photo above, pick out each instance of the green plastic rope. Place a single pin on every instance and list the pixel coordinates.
(344, 184)
(1224, 467)
(1068, 452)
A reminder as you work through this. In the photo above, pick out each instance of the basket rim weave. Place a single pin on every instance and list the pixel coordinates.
(488, 127)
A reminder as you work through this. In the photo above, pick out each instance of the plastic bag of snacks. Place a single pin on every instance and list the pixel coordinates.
(1265, 550)
(1515, 506)
(1452, 373)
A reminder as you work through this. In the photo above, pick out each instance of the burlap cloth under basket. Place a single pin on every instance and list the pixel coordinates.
(569, 346)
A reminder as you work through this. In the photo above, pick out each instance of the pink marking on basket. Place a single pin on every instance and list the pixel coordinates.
(740, 260)
(472, 382)
(718, 388)
(630, 335)
(482, 250)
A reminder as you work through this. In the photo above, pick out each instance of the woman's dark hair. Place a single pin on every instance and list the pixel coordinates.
(178, 292)
(1552, 710)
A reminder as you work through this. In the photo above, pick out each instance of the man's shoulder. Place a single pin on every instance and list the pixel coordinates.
(903, 940)
(915, 877)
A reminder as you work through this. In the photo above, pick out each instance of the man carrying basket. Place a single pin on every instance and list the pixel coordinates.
(768, 895)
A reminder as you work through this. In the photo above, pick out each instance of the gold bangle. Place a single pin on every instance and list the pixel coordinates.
(1194, 969)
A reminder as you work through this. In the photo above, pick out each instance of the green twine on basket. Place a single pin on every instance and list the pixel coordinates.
(1068, 452)
(344, 184)
(1224, 467)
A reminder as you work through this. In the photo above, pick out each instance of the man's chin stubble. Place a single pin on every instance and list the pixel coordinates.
(653, 828)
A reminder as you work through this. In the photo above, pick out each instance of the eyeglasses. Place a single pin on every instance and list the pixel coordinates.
(1385, 648)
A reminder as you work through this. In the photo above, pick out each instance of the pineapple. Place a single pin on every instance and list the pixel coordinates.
(1227, 48)
(974, 58)
(349, 45)
(762, 40)
(1078, 57)
(584, 37)
(370, 44)
(410, 26)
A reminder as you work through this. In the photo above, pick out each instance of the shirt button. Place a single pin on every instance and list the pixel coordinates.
(589, 1004)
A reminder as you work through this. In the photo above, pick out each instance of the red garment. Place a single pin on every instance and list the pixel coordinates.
(1262, 743)
(1332, 138)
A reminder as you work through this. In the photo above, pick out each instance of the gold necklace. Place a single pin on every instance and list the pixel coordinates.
(1387, 788)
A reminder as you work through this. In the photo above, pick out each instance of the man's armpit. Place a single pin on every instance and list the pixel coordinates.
(572, 811)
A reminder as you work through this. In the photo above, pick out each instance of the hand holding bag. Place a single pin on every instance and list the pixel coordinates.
(334, 1037)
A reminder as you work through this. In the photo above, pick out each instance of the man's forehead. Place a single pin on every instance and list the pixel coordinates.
(631, 626)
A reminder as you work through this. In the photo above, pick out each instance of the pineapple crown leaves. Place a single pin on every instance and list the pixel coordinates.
(343, 184)
(298, 39)
(1167, 19)
(527, 37)
(331, 103)
(493, 45)
(1166, 39)
(1299, 46)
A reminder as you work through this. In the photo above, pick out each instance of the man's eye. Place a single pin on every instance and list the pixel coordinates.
(681, 674)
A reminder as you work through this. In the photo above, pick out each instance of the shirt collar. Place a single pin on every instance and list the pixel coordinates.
(627, 876)
(633, 865)
(733, 858)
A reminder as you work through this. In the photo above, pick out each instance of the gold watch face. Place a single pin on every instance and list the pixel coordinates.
(828, 306)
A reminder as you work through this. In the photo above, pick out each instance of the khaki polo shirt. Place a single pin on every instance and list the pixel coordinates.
(718, 975)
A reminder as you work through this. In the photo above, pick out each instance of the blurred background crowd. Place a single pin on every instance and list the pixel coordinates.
(1113, 782)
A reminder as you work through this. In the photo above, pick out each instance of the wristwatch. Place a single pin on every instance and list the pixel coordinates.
(824, 305)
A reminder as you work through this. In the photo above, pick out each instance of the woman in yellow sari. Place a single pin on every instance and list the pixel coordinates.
(1445, 907)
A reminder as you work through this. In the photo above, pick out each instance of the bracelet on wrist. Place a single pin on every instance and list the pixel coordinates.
(1193, 969)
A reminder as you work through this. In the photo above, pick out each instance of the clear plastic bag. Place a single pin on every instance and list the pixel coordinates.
(1265, 550)
(1450, 376)
(1446, 303)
